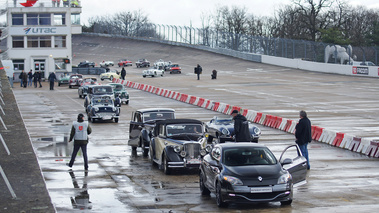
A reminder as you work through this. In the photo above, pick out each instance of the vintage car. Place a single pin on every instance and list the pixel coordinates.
(248, 172)
(85, 83)
(222, 128)
(86, 64)
(112, 74)
(154, 71)
(64, 79)
(102, 108)
(174, 68)
(75, 80)
(120, 91)
(178, 143)
(161, 64)
(106, 63)
(96, 91)
(124, 63)
(142, 63)
(142, 124)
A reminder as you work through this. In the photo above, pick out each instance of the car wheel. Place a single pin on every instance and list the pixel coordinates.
(126, 102)
(102, 79)
(111, 78)
(286, 203)
(153, 76)
(116, 120)
(69, 86)
(219, 201)
(166, 170)
(80, 96)
(151, 154)
(170, 72)
(144, 76)
(92, 120)
(59, 84)
(203, 189)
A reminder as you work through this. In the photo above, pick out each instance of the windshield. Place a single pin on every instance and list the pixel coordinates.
(175, 129)
(149, 116)
(224, 120)
(243, 156)
(99, 90)
(117, 87)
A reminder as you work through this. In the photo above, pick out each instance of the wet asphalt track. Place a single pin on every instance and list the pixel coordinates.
(117, 181)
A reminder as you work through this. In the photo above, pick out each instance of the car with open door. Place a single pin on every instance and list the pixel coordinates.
(246, 172)
(142, 124)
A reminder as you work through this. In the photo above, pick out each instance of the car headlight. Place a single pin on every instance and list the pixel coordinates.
(183, 154)
(177, 149)
(203, 152)
(208, 148)
(285, 178)
(225, 131)
(96, 109)
(233, 180)
(257, 131)
(114, 109)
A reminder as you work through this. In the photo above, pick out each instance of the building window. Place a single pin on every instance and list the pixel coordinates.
(17, 41)
(38, 19)
(59, 64)
(59, 19)
(75, 18)
(39, 41)
(60, 41)
(18, 64)
(17, 19)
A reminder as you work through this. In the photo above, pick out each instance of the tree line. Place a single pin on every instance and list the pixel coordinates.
(328, 21)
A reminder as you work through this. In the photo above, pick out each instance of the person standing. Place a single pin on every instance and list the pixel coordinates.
(35, 79)
(123, 73)
(39, 78)
(214, 74)
(52, 77)
(198, 71)
(24, 79)
(241, 127)
(30, 78)
(303, 134)
(21, 78)
(79, 132)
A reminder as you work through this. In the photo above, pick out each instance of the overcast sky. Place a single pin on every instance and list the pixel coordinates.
(185, 12)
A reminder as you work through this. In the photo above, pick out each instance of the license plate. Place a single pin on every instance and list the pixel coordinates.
(261, 189)
(107, 117)
(193, 161)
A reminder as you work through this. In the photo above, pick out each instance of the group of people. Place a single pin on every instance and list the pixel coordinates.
(27, 79)
(198, 70)
(303, 131)
(66, 3)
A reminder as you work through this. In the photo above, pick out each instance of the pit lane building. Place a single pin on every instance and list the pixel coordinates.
(38, 35)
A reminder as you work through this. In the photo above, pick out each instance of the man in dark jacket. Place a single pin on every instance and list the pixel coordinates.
(241, 127)
(123, 73)
(303, 134)
(198, 70)
(39, 78)
(52, 78)
(79, 132)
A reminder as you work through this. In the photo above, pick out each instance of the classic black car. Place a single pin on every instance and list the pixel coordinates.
(248, 172)
(222, 128)
(142, 123)
(102, 108)
(178, 143)
(86, 64)
(142, 63)
(84, 84)
(120, 91)
(98, 90)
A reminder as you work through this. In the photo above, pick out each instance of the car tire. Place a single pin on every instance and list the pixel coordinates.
(102, 79)
(153, 76)
(116, 120)
(80, 96)
(286, 203)
(126, 102)
(144, 76)
(203, 189)
(70, 86)
(166, 169)
(59, 84)
(219, 201)
(92, 120)
(151, 154)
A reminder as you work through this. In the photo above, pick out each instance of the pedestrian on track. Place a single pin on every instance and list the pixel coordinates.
(303, 134)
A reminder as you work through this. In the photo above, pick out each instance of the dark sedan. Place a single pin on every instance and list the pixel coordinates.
(222, 128)
(249, 172)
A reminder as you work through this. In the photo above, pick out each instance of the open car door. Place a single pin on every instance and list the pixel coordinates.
(135, 128)
(298, 167)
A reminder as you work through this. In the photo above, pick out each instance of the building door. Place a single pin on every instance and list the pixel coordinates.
(39, 65)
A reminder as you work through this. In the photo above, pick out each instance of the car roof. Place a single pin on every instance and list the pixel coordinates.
(178, 121)
(155, 110)
(102, 86)
(239, 145)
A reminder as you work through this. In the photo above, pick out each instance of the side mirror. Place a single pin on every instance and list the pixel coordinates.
(287, 161)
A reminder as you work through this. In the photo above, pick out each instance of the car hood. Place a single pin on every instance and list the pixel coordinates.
(250, 174)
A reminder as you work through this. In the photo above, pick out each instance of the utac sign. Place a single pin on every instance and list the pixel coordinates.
(39, 30)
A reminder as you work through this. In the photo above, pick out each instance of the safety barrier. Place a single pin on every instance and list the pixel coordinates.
(338, 139)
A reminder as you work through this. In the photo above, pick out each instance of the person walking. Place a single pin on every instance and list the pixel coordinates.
(303, 134)
(52, 77)
(123, 73)
(21, 77)
(35, 79)
(24, 79)
(30, 78)
(79, 132)
(198, 71)
(241, 127)
(39, 78)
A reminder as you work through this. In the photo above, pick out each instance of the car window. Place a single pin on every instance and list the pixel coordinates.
(243, 156)
(224, 121)
(175, 129)
(148, 116)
